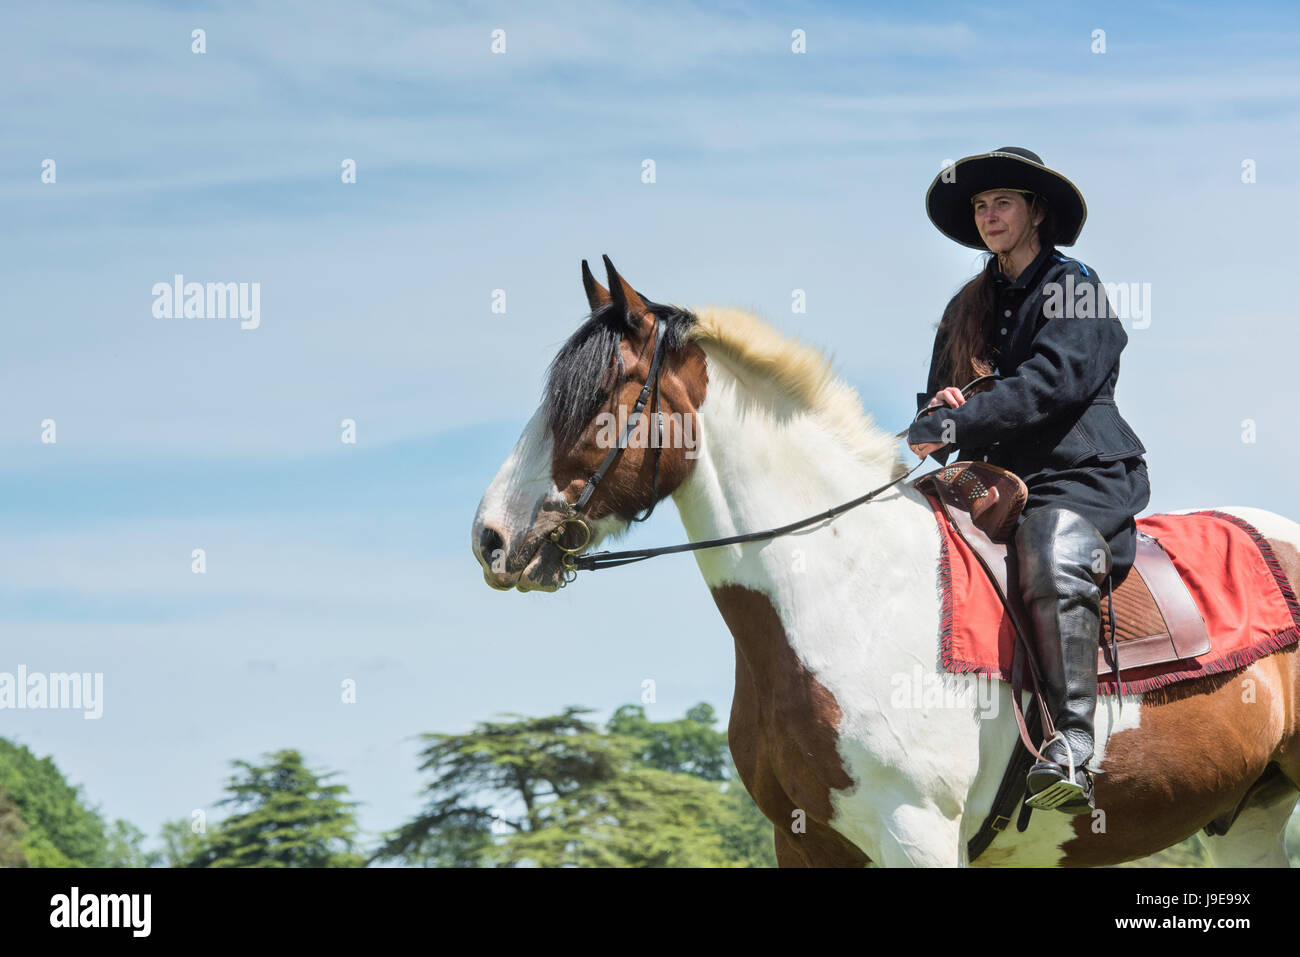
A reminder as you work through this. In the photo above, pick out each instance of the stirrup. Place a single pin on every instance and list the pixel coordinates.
(1066, 791)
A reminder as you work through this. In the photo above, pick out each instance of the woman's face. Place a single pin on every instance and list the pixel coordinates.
(1002, 217)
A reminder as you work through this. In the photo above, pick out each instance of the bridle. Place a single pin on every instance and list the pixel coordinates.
(573, 561)
(577, 511)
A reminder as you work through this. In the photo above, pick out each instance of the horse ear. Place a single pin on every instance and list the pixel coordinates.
(597, 295)
(623, 296)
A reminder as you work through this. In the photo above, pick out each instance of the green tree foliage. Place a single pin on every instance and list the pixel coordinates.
(13, 830)
(60, 831)
(181, 844)
(124, 847)
(286, 817)
(688, 746)
(526, 761)
(746, 833)
(640, 818)
(692, 746)
(559, 791)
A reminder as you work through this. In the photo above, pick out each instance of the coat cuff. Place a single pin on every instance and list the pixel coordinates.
(928, 428)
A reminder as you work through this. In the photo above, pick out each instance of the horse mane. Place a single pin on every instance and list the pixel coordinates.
(800, 370)
(573, 393)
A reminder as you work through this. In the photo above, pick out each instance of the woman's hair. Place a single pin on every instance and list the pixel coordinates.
(968, 325)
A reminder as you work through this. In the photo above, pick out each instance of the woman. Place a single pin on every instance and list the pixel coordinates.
(1042, 323)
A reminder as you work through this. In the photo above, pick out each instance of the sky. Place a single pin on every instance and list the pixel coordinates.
(330, 562)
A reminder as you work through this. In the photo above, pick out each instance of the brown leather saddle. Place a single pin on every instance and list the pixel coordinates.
(1155, 620)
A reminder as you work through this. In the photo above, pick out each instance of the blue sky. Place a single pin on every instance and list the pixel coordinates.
(479, 172)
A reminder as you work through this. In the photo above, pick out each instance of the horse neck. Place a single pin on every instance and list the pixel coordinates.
(766, 459)
(847, 608)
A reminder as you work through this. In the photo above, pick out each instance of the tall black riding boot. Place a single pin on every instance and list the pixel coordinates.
(1062, 559)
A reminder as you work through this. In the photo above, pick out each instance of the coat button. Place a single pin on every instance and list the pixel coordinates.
(1007, 313)
(1003, 330)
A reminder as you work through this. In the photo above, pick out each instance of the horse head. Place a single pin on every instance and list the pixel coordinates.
(526, 517)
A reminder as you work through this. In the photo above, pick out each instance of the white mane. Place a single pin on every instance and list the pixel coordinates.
(804, 372)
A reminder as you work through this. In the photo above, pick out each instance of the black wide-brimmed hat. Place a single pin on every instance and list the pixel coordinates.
(948, 200)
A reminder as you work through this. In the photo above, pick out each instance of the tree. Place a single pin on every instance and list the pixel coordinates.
(61, 831)
(287, 817)
(182, 845)
(521, 763)
(688, 746)
(124, 850)
(13, 829)
(558, 791)
(641, 818)
(746, 832)
(692, 746)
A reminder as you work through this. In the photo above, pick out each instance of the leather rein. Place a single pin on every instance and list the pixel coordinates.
(572, 559)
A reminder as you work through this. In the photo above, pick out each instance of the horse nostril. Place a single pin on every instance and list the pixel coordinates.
(490, 541)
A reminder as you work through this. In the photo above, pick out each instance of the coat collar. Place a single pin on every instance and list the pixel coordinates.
(1029, 276)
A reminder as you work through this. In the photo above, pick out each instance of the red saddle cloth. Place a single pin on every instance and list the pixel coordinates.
(1249, 607)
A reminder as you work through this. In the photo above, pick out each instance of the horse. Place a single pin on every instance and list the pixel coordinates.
(849, 771)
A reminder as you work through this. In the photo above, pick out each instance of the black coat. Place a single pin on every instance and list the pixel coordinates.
(1051, 418)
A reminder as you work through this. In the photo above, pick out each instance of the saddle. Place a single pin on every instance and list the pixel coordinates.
(1150, 619)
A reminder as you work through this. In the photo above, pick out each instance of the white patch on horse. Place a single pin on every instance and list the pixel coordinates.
(524, 505)
(858, 602)
(522, 483)
(1269, 524)
(1041, 843)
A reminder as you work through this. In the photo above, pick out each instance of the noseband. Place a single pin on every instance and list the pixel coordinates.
(573, 562)
(577, 512)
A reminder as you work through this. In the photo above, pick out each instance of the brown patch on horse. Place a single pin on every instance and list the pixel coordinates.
(1288, 557)
(1201, 746)
(626, 488)
(783, 733)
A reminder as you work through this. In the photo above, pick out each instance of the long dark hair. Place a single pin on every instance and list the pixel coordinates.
(967, 327)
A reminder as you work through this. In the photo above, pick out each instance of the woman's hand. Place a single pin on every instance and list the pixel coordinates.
(950, 397)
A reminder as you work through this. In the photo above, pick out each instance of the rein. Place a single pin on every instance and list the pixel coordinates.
(574, 562)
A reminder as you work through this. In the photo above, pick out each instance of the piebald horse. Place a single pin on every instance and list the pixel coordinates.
(758, 431)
